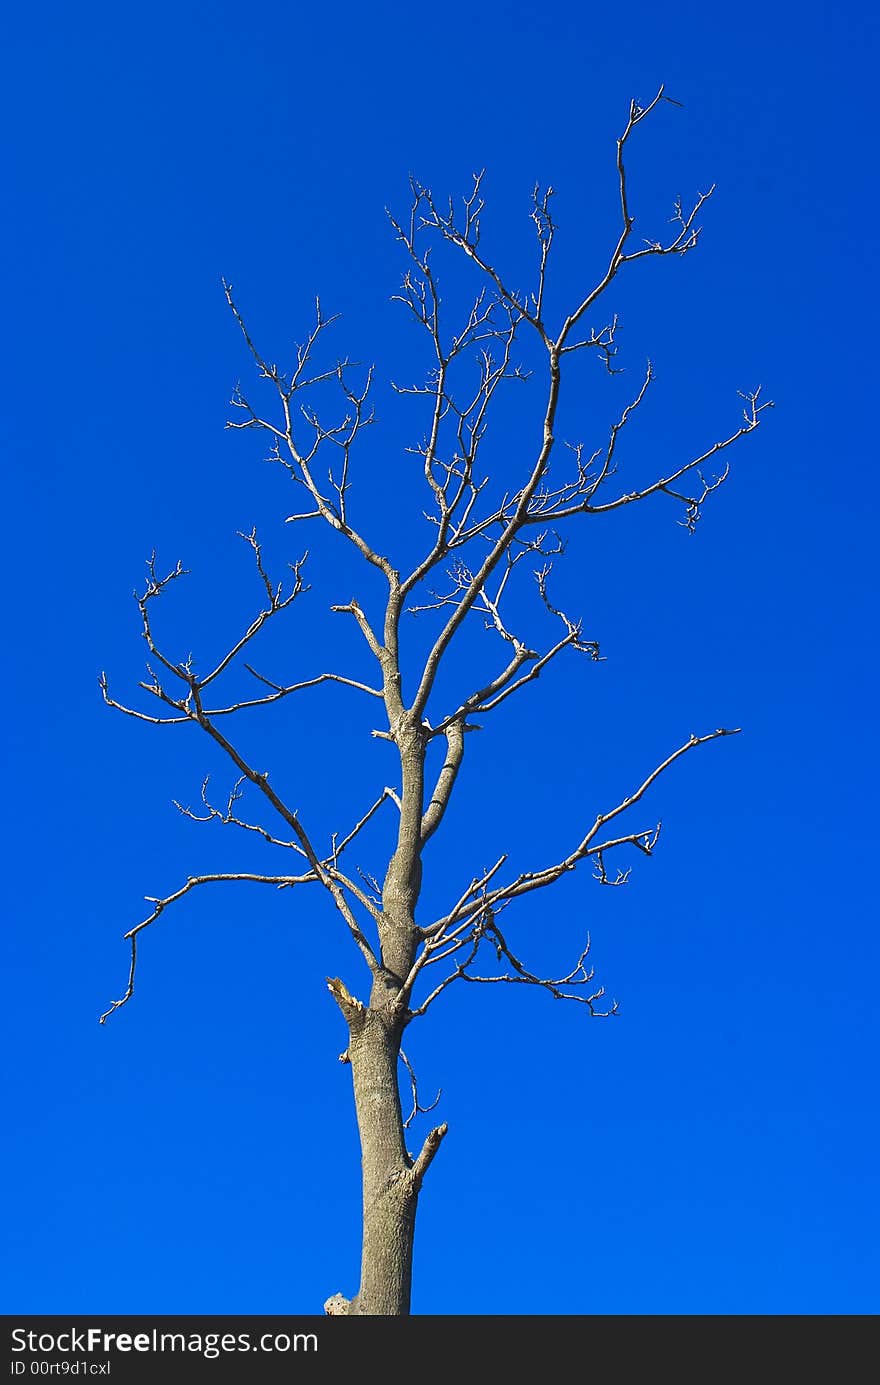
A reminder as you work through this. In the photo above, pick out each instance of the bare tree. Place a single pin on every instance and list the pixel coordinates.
(479, 543)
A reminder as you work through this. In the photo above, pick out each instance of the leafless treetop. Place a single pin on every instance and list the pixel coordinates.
(476, 547)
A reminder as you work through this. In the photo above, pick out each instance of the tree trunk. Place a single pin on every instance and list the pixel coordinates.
(391, 1177)
(390, 1193)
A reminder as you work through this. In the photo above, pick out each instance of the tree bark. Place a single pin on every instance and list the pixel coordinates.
(392, 1179)
(390, 1194)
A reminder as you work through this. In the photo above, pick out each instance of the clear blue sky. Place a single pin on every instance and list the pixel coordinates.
(713, 1149)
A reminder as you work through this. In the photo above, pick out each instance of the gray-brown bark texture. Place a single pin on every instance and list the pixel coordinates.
(391, 1178)
(481, 529)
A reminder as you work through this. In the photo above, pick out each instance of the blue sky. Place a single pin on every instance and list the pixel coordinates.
(712, 1149)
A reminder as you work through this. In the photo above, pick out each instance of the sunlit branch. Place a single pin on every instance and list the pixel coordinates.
(567, 987)
(277, 603)
(477, 888)
(433, 814)
(155, 586)
(226, 816)
(160, 905)
(352, 608)
(577, 976)
(644, 841)
(497, 552)
(342, 434)
(452, 483)
(133, 712)
(546, 229)
(493, 693)
(339, 847)
(282, 690)
(466, 236)
(261, 782)
(684, 240)
(417, 1109)
(477, 908)
(329, 863)
(664, 484)
(184, 671)
(422, 1163)
(534, 880)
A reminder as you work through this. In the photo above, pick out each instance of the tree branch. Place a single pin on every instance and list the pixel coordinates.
(280, 881)
(432, 1143)
(276, 603)
(342, 435)
(261, 781)
(685, 240)
(433, 814)
(417, 1108)
(529, 881)
(352, 608)
(752, 420)
(473, 918)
